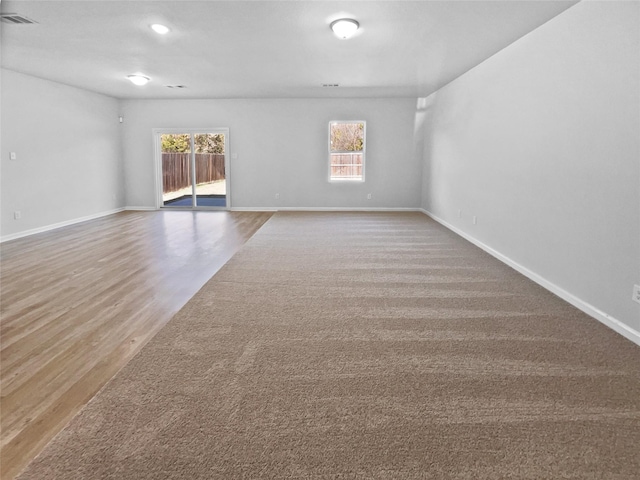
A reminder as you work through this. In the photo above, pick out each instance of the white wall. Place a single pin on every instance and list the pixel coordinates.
(67, 143)
(281, 147)
(541, 144)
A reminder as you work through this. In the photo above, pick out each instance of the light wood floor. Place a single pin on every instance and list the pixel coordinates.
(79, 302)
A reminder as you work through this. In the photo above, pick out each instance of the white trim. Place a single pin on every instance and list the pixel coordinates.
(157, 164)
(55, 226)
(227, 167)
(253, 209)
(298, 209)
(141, 209)
(346, 209)
(611, 322)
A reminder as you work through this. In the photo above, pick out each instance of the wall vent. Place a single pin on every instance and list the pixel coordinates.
(176, 86)
(15, 19)
(330, 85)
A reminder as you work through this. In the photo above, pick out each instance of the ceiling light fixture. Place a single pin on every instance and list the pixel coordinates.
(160, 29)
(344, 27)
(138, 79)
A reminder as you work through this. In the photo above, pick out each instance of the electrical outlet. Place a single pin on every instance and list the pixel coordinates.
(636, 293)
(17, 215)
(13, 156)
(368, 196)
(475, 220)
(277, 196)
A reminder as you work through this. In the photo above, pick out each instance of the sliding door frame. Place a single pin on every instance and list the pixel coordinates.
(157, 149)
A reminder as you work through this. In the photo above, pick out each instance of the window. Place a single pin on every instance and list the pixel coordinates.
(346, 151)
(192, 168)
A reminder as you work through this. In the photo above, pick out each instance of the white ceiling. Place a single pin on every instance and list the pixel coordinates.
(234, 49)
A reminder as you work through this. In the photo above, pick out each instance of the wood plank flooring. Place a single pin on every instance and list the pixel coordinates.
(79, 302)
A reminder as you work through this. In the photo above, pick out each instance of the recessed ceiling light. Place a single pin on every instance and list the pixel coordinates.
(138, 79)
(344, 27)
(161, 29)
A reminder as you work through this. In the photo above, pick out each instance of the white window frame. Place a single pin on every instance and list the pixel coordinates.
(363, 152)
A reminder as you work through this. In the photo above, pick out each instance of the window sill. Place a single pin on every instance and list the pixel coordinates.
(346, 180)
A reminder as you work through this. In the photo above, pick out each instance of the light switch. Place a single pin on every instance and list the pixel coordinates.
(13, 156)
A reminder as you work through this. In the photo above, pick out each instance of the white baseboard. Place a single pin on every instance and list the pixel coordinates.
(252, 209)
(141, 209)
(611, 322)
(301, 209)
(345, 209)
(54, 226)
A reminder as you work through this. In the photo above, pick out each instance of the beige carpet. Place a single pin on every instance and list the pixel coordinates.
(364, 345)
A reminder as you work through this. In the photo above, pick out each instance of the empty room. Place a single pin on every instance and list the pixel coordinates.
(319, 239)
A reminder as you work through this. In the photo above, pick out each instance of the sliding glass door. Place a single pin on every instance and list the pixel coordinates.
(193, 168)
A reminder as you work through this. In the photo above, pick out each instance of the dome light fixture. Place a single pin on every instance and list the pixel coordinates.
(160, 29)
(138, 79)
(344, 27)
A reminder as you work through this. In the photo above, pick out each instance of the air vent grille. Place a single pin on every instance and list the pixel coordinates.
(330, 85)
(176, 86)
(15, 19)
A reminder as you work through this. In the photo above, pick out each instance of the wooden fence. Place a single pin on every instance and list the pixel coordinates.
(346, 165)
(176, 169)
